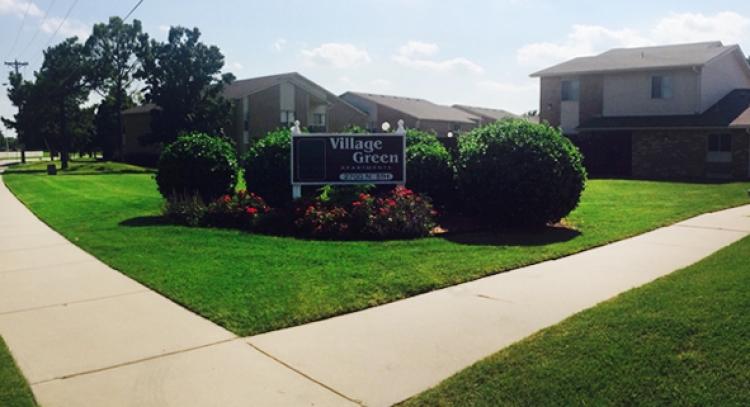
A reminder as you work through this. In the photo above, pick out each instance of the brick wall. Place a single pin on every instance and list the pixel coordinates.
(683, 154)
(592, 97)
(549, 100)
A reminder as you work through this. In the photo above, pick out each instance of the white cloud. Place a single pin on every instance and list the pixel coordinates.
(406, 53)
(69, 28)
(413, 48)
(164, 28)
(236, 66)
(728, 27)
(336, 56)
(18, 8)
(278, 45)
(347, 81)
(507, 86)
(381, 83)
(582, 41)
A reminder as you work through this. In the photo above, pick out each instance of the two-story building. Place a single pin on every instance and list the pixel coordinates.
(679, 111)
(261, 105)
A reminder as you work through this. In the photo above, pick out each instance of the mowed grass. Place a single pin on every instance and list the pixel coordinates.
(683, 340)
(253, 283)
(14, 390)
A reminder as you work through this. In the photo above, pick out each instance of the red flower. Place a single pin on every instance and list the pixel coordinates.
(251, 210)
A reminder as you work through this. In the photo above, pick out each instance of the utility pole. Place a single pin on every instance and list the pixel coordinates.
(15, 64)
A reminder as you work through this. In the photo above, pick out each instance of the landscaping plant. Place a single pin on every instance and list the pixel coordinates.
(197, 164)
(429, 169)
(514, 173)
(400, 214)
(267, 168)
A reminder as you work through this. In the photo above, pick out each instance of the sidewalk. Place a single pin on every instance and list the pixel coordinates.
(84, 334)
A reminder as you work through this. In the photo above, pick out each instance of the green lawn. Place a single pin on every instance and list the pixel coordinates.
(252, 283)
(14, 390)
(683, 340)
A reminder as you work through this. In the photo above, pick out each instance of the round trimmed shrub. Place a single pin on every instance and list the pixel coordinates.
(197, 164)
(429, 169)
(267, 171)
(514, 173)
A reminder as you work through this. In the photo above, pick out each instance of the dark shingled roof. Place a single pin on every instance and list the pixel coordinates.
(419, 108)
(733, 111)
(495, 114)
(244, 87)
(645, 58)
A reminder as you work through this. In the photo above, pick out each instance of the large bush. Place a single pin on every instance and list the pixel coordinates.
(429, 169)
(267, 168)
(197, 164)
(517, 174)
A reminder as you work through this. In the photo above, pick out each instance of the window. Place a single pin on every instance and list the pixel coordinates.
(720, 148)
(571, 90)
(287, 116)
(319, 119)
(661, 87)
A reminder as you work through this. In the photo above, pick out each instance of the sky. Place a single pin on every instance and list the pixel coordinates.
(472, 52)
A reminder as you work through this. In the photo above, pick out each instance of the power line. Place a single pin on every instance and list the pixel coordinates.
(23, 22)
(72, 6)
(131, 11)
(38, 28)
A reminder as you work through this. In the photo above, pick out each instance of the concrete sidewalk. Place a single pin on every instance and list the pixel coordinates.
(84, 334)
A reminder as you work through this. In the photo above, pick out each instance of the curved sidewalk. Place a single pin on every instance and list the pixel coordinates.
(84, 334)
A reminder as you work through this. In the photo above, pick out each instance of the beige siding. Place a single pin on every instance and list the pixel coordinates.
(629, 94)
(570, 114)
(719, 77)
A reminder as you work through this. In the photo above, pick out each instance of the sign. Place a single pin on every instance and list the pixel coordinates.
(348, 159)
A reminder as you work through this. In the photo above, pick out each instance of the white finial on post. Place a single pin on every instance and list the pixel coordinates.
(385, 126)
(401, 129)
(295, 129)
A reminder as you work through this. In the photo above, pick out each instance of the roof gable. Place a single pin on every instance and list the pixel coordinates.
(644, 58)
(246, 87)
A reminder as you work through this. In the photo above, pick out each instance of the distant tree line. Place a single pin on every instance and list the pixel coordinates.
(121, 64)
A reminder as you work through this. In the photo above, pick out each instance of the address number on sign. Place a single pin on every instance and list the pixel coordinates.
(383, 176)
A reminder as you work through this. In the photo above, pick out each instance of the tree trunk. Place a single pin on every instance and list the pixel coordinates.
(65, 150)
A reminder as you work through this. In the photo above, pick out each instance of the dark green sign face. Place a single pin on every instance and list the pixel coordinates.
(348, 159)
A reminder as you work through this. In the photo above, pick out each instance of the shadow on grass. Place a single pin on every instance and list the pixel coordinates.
(64, 173)
(536, 237)
(145, 221)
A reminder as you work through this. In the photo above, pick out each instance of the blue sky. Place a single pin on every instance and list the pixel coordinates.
(473, 52)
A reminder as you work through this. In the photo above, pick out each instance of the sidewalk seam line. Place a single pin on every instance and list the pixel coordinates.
(36, 248)
(52, 265)
(132, 362)
(65, 304)
(712, 228)
(359, 402)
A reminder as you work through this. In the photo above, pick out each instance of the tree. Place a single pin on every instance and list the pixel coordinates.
(183, 77)
(108, 123)
(112, 49)
(63, 79)
(19, 93)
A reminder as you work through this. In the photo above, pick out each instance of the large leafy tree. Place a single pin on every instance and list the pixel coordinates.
(24, 122)
(112, 50)
(50, 107)
(183, 77)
